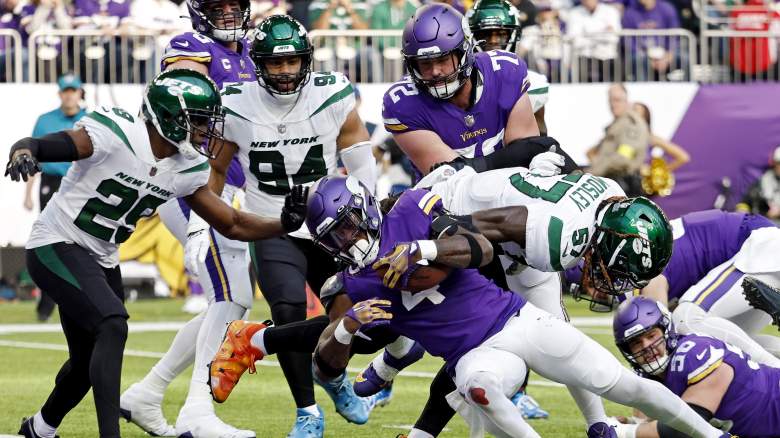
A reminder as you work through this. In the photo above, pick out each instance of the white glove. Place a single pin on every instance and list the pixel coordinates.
(547, 164)
(197, 246)
(626, 430)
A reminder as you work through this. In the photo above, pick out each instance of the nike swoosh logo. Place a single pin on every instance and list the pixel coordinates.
(701, 355)
(359, 378)
(183, 43)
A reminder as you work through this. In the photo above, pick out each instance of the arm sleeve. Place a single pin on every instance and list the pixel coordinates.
(519, 153)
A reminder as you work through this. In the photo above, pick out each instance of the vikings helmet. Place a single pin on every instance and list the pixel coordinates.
(631, 245)
(437, 30)
(636, 317)
(344, 220)
(209, 18)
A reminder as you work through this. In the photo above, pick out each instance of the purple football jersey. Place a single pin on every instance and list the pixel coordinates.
(449, 320)
(751, 403)
(474, 132)
(708, 239)
(225, 66)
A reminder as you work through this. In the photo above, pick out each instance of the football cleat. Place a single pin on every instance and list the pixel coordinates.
(383, 397)
(529, 407)
(28, 431)
(143, 407)
(762, 297)
(369, 382)
(353, 408)
(601, 430)
(235, 355)
(194, 423)
(307, 425)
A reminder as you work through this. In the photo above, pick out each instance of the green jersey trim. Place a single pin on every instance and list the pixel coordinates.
(346, 91)
(539, 90)
(235, 114)
(113, 126)
(554, 231)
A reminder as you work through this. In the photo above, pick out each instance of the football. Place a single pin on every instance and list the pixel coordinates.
(424, 277)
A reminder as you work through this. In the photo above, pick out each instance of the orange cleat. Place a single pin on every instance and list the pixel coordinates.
(235, 355)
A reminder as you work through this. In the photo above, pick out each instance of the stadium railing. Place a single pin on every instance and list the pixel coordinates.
(96, 56)
(12, 55)
(375, 55)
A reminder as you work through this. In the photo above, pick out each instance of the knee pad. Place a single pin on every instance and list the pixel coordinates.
(115, 327)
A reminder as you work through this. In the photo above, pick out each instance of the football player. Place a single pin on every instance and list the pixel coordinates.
(125, 167)
(216, 47)
(470, 108)
(290, 127)
(714, 253)
(487, 349)
(716, 379)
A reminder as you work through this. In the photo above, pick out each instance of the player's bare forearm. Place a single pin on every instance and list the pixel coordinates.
(504, 224)
(231, 223)
(332, 356)
(220, 165)
(456, 251)
(647, 430)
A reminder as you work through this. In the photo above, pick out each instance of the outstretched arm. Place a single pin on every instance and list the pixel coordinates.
(68, 145)
(238, 225)
(504, 224)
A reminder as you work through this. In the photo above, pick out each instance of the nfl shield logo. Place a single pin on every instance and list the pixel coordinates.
(469, 119)
(153, 171)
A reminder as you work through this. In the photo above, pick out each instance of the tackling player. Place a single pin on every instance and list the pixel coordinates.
(716, 379)
(497, 334)
(125, 167)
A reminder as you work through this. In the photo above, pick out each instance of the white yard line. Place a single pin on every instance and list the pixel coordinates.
(266, 362)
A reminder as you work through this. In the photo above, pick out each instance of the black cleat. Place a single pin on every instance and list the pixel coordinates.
(763, 297)
(27, 430)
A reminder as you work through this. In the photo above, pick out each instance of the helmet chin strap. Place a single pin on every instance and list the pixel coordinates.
(662, 362)
(364, 251)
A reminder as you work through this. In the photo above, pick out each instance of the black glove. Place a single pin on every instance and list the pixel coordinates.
(457, 163)
(294, 210)
(24, 166)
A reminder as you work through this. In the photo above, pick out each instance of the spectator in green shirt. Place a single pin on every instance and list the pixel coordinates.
(338, 14)
(391, 14)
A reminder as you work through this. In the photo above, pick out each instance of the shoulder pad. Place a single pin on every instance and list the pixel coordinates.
(332, 286)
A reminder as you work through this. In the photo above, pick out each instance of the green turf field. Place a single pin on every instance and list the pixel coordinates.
(261, 402)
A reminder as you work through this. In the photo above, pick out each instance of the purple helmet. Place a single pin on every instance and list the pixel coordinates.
(435, 31)
(344, 220)
(205, 14)
(636, 317)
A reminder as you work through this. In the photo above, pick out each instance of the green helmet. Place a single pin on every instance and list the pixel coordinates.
(632, 245)
(183, 104)
(281, 36)
(488, 16)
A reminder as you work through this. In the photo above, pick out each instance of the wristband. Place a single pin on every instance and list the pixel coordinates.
(428, 250)
(342, 335)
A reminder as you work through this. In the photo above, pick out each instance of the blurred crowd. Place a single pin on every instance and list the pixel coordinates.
(567, 40)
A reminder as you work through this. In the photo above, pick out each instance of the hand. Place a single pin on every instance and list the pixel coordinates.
(294, 210)
(401, 263)
(457, 163)
(22, 165)
(547, 164)
(195, 250)
(370, 313)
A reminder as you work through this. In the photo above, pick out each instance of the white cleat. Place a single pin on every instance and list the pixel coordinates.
(144, 408)
(197, 423)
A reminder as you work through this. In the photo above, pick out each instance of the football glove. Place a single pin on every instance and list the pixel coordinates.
(294, 210)
(370, 313)
(401, 264)
(22, 166)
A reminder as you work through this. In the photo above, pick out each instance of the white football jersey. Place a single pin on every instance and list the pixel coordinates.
(561, 208)
(538, 90)
(102, 197)
(279, 149)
